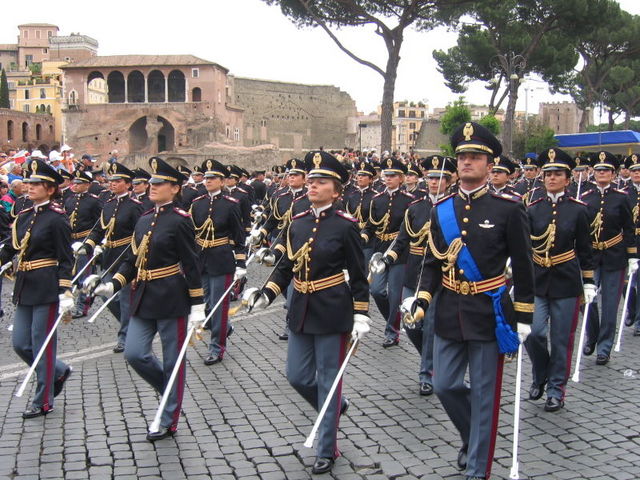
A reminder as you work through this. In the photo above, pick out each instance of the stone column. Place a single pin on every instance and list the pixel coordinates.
(166, 89)
(126, 89)
(146, 89)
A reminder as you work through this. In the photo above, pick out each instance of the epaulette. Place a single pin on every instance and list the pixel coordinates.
(535, 201)
(345, 215)
(94, 196)
(306, 212)
(199, 198)
(25, 210)
(300, 198)
(149, 211)
(620, 191)
(444, 198)
(231, 199)
(418, 200)
(506, 196)
(584, 194)
(55, 208)
(578, 201)
(516, 194)
(182, 212)
(378, 194)
(242, 189)
(135, 200)
(189, 185)
(404, 192)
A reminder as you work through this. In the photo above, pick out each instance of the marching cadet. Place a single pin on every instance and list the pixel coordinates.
(614, 245)
(326, 308)
(83, 210)
(503, 168)
(624, 176)
(530, 178)
(95, 182)
(472, 233)
(243, 182)
(65, 186)
(163, 263)
(22, 202)
(580, 182)
(563, 272)
(189, 192)
(239, 193)
(259, 187)
(141, 188)
(413, 237)
(41, 237)
(197, 175)
(412, 179)
(112, 236)
(221, 253)
(357, 203)
(378, 184)
(383, 225)
(632, 162)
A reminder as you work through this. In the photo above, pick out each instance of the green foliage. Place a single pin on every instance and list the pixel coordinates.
(603, 127)
(455, 114)
(36, 68)
(537, 138)
(4, 91)
(491, 123)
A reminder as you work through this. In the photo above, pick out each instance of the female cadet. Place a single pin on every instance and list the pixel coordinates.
(163, 265)
(325, 308)
(41, 237)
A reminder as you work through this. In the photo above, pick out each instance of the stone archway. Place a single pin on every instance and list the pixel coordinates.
(151, 134)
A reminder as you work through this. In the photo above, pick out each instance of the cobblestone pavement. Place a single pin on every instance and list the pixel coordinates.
(242, 420)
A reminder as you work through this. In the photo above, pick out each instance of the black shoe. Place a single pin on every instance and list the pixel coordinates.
(34, 412)
(213, 359)
(1, 313)
(636, 332)
(426, 389)
(283, 336)
(390, 342)
(602, 359)
(162, 434)
(78, 314)
(536, 391)
(322, 465)
(462, 457)
(119, 348)
(629, 320)
(58, 385)
(553, 404)
(588, 349)
(345, 406)
(230, 331)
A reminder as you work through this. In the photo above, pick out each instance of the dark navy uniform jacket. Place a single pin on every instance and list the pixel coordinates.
(163, 264)
(494, 227)
(242, 196)
(280, 211)
(220, 242)
(83, 210)
(560, 272)
(41, 237)
(357, 204)
(318, 250)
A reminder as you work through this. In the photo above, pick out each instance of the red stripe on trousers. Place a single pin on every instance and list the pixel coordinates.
(343, 353)
(50, 361)
(181, 334)
(570, 345)
(496, 415)
(224, 319)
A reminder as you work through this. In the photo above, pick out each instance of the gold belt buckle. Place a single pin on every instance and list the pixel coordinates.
(600, 245)
(465, 288)
(547, 262)
(304, 287)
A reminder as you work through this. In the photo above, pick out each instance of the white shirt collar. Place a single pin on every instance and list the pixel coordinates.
(469, 192)
(554, 197)
(435, 198)
(38, 205)
(295, 190)
(601, 189)
(166, 203)
(319, 210)
(213, 194)
(390, 191)
(122, 195)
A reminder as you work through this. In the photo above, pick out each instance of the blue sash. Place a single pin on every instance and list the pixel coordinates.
(508, 340)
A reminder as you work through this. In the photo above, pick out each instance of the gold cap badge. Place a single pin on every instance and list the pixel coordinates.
(634, 158)
(552, 154)
(317, 160)
(578, 161)
(602, 156)
(496, 160)
(209, 164)
(293, 163)
(435, 161)
(154, 165)
(34, 166)
(467, 131)
(389, 163)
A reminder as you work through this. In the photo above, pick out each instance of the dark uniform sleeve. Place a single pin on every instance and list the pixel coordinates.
(185, 243)
(357, 270)
(239, 236)
(583, 246)
(126, 271)
(369, 229)
(271, 221)
(402, 240)
(519, 249)
(62, 240)
(628, 230)
(282, 275)
(97, 234)
(432, 269)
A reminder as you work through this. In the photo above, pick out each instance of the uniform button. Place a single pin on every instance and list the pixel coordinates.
(461, 272)
(553, 205)
(465, 220)
(554, 212)
(317, 220)
(464, 232)
(467, 207)
(314, 229)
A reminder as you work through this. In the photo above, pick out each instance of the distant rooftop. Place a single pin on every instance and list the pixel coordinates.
(140, 61)
(8, 46)
(38, 25)
(74, 38)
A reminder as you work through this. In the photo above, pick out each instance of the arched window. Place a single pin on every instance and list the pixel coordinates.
(25, 132)
(73, 97)
(196, 95)
(38, 131)
(135, 87)
(176, 86)
(155, 86)
(10, 130)
(50, 129)
(115, 87)
(43, 108)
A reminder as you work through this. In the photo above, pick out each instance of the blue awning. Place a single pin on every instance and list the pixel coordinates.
(619, 141)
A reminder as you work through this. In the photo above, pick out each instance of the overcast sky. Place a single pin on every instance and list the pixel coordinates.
(254, 40)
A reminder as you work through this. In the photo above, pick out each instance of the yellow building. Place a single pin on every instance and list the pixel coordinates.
(407, 120)
(41, 93)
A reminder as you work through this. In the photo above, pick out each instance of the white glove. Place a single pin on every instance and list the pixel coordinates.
(590, 292)
(360, 326)
(523, 331)
(66, 303)
(254, 298)
(239, 274)
(266, 257)
(255, 237)
(104, 290)
(633, 266)
(90, 283)
(377, 265)
(98, 250)
(79, 248)
(196, 316)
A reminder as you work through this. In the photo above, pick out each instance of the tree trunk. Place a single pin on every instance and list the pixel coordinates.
(611, 122)
(507, 135)
(584, 121)
(388, 90)
(627, 119)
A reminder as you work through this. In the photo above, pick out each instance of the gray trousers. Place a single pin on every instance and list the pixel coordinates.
(123, 312)
(83, 303)
(386, 289)
(422, 337)
(139, 354)
(603, 332)
(214, 287)
(473, 409)
(555, 319)
(313, 362)
(31, 325)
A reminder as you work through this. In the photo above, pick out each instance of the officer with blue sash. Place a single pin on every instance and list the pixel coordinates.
(472, 234)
